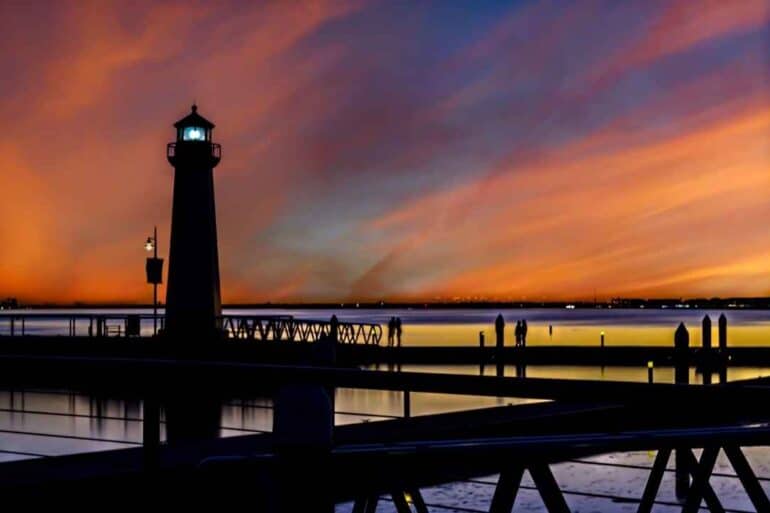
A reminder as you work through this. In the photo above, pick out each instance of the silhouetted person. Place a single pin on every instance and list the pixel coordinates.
(398, 331)
(550, 330)
(517, 333)
(391, 330)
(524, 333)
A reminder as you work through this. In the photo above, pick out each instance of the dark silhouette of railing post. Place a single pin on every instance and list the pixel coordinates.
(706, 356)
(682, 377)
(499, 344)
(706, 333)
(722, 333)
(151, 432)
(723, 348)
(303, 427)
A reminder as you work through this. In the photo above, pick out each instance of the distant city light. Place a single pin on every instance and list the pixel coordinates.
(150, 244)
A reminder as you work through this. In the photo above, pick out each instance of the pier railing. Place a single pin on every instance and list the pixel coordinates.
(298, 330)
(244, 327)
(77, 324)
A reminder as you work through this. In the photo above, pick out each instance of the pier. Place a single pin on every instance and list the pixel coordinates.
(400, 456)
(258, 336)
(269, 355)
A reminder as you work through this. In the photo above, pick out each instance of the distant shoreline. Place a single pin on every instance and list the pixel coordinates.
(632, 304)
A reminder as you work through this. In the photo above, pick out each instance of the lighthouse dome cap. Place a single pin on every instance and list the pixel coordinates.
(194, 119)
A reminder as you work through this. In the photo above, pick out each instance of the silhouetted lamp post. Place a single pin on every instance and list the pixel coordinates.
(154, 270)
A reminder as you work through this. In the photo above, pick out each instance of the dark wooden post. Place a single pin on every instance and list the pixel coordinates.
(722, 333)
(499, 344)
(706, 360)
(682, 377)
(706, 333)
(723, 348)
(334, 328)
(303, 430)
(499, 332)
(151, 432)
(481, 339)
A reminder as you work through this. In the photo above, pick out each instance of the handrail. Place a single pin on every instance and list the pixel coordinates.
(243, 327)
(298, 330)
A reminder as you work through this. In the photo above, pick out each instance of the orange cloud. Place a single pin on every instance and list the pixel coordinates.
(539, 151)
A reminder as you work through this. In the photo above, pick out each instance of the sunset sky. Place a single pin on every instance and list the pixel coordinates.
(393, 150)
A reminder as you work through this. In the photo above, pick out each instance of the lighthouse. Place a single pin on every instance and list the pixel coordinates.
(193, 300)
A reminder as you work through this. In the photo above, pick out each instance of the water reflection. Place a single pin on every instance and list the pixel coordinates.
(46, 423)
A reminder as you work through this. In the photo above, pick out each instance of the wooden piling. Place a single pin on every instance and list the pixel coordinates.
(303, 431)
(499, 332)
(706, 333)
(151, 432)
(499, 345)
(722, 333)
(682, 377)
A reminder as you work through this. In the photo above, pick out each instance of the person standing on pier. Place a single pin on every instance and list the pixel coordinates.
(398, 331)
(517, 333)
(391, 330)
(524, 333)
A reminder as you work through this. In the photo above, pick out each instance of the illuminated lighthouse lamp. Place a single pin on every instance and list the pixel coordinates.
(194, 127)
(194, 133)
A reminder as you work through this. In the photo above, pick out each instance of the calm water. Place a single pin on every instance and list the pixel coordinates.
(423, 327)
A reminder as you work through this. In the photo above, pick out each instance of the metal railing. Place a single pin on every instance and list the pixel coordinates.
(216, 150)
(243, 327)
(298, 330)
(77, 324)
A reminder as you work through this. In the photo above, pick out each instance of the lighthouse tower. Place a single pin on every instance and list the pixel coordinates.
(193, 300)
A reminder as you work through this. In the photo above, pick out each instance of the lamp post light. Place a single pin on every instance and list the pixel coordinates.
(154, 269)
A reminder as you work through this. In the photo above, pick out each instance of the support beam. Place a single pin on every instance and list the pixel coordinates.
(371, 505)
(417, 500)
(365, 504)
(359, 506)
(505, 492)
(151, 432)
(407, 404)
(653, 482)
(748, 478)
(701, 489)
(399, 500)
(548, 488)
